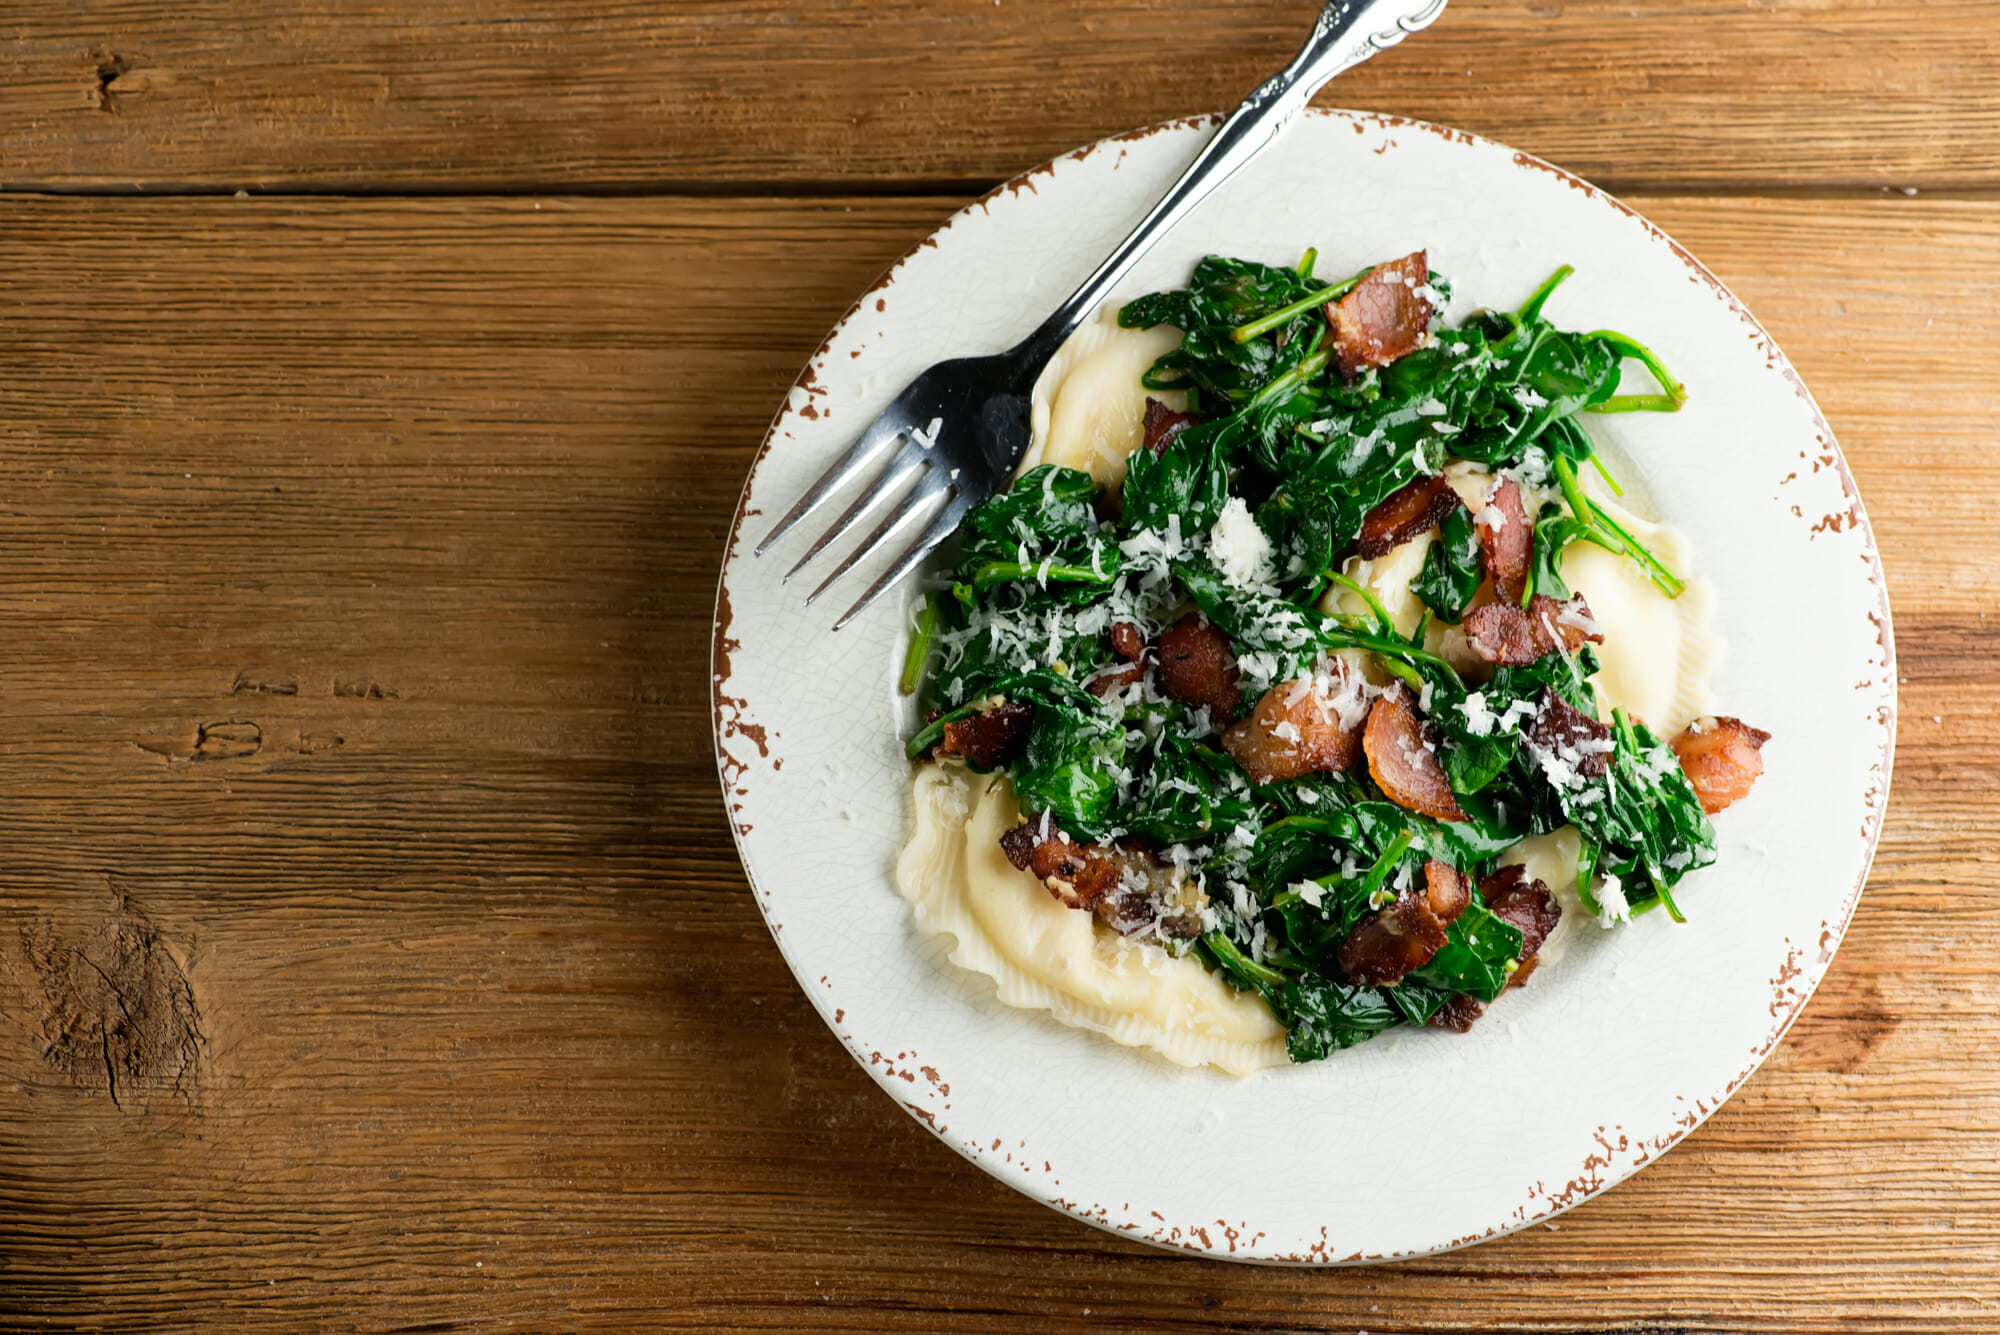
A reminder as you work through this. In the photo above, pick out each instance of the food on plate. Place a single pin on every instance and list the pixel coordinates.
(1304, 685)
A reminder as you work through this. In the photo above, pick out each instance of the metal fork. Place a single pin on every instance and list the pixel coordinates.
(963, 424)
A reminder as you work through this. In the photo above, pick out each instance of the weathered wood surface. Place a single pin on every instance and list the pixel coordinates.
(638, 94)
(373, 954)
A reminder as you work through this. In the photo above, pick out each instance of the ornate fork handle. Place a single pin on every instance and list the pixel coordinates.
(1348, 32)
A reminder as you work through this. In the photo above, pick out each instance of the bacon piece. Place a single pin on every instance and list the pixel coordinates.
(1526, 904)
(1036, 845)
(1405, 933)
(1510, 548)
(990, 738)
(1129, 888)
(1268, 750)
(1458, 1013)
(1128, 641)
(1523, 904)
(1129, 644)
(1504, 633)
(1114, 678)
(1415, 508)
(1198, 667)
(1573, 737)
(1402, 757)
(1722, 758)
(1383, 317)
(1163, 424)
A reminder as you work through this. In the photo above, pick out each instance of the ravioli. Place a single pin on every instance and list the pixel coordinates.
(1089, 407)
(1087, 414)
(1042, 956)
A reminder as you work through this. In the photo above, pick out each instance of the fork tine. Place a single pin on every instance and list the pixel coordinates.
(928, 489)
(880, 433)
(941, 528)
(902, 466)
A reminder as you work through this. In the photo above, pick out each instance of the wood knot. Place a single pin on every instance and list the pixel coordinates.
(117, 1013)
(110, 68)
(230, 740)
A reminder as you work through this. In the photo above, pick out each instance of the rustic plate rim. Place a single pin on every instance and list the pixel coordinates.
(1793, 989)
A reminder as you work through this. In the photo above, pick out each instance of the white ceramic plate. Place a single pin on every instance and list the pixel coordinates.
(1615, 1052)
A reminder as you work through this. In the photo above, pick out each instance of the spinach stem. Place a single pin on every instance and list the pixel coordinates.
(1384, 623)
(1318, 824)
(920, 646)
(1307, 261)
(1586, 871)
(1243, 333)
(998, 572)
(1597, 462)
(1606, 532)
(1531, 310)
(1675, 392)
(1239, 963)
(1667, 901)
(1384, 864)
(925, 739)
(933, 732)
(1637, 403)
(1392, 648)
(1282, 386)
(1670, 584)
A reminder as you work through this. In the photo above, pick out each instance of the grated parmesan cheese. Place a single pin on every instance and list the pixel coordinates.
(1612, 907)
(1239, 547)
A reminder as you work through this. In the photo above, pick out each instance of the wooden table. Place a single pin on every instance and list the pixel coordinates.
(376, 382)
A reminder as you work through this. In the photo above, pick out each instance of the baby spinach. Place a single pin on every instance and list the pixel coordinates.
(1453, 567)
(1322, 1016)
(1641, 816)
(1224, 372)
(1478, 952)
(1070, 770)
(1046, 569)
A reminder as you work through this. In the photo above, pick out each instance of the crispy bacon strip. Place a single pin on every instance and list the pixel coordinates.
(1510, 547)
(1458, 1013)
(1198, 667)
(1384, 317)
(1504, 633)
(1129, 645)
(1514, 898)
(1129, 888)
(1415, 508)
(1402, 757)
(1405, 934)
(1127, 641)
(1722, 758)
(1036, 845)
(1291, 732)
(1162, 424)
(1524, 904)
(990, 738)
(1113, 678)
(1571, 735)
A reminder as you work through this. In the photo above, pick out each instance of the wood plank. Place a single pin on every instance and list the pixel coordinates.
(357, 566)
(346, 94)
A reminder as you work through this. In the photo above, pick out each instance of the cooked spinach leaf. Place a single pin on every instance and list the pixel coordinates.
(1053, 583)
(1453, 567)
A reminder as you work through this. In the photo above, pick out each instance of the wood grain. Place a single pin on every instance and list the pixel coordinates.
(637, 95)
(373, 953)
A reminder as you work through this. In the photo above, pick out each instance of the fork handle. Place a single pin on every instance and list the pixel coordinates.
(1348, 32)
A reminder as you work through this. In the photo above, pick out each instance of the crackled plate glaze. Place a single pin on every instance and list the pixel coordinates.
(1614, 1053)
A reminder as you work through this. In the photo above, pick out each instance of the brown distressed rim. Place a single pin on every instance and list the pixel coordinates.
(1793, 985)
